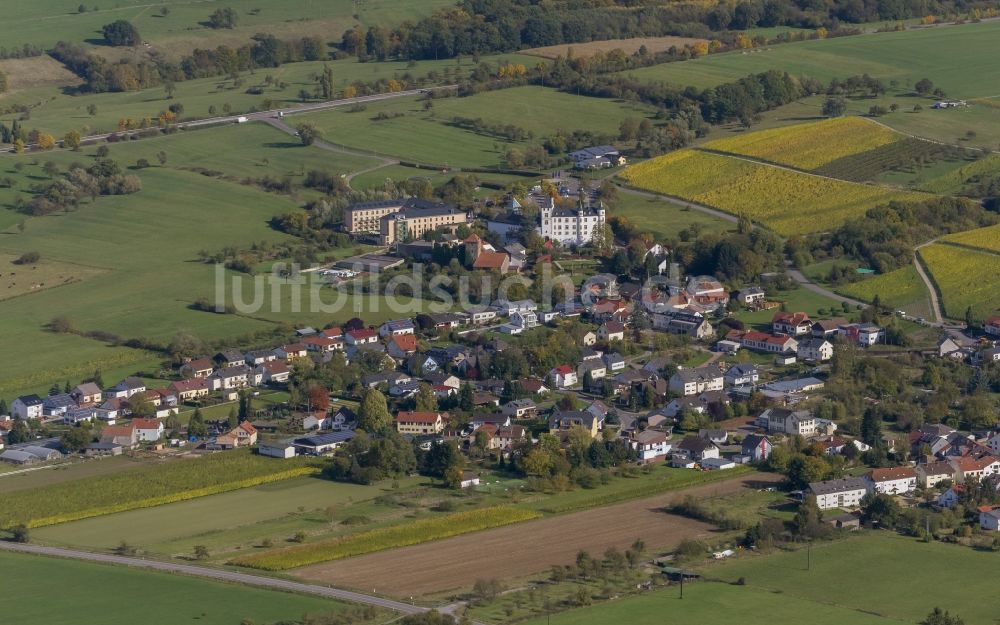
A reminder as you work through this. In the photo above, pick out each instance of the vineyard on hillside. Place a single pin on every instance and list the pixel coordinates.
(966, 278)
(987, 238)
(810, 146)
(783, 200)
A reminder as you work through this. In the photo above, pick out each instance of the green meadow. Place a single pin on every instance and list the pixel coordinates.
(957, 58)
(118, 595)
(411, 132)
(183, 26)
(57, 112)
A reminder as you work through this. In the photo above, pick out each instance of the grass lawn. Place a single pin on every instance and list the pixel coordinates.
(711, 604)
(428, 136)
(184, 26)
(797, 299)
(56, 112)
(956, 58)
(17, 279)
(875, 573)
(665, 219)
(396, 173)
(113, 592)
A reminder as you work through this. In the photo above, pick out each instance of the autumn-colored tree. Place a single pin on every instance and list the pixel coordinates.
(319, 398)
(700, 48)
(46, 141)
(72, 140)
(350, 91)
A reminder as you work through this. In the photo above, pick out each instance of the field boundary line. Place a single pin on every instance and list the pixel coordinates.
(967, 247)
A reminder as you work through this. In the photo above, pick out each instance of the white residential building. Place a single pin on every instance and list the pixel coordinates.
(569, 226)
(843, 493)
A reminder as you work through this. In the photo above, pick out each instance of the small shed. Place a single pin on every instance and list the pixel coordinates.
(470, 479)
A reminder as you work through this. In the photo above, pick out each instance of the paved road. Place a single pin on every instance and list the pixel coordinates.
(272, 113)
(226, 576)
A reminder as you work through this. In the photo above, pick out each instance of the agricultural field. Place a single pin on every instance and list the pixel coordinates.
(893, 566)
(454, 563)
(176, 599)
(56, 112)
(955, 57)
(145, 488)
(65, 472)
(965, 278)
(34, 73)
(629, 46)
(987, 238)
(395, 537)
(809, 146)
(906, 162)
(398, 173)
(901, 289)
(786, 201)
(183, 26)
(405, 129)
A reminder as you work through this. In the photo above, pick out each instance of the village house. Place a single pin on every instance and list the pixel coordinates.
(864, 334)
(27, 407)
(742, 374)
(699, 403)
(87, 393)
(893, 480)
(401, 347)
(840, 493)
(933, 473)
(415, 422)
(198, 368)
(613, 362)
(815, 350)
(127, 388)
(683, 323)
(751, 296)
(974, 468)
(756, 447)
(563, 377)
(992, 326)
(989, 518)
(596, 369)
(951, 497)
(507, 436)
(827, 328)
(611, 331)
(186, 390)
(243, 435)
(791, 324)
(291, 351)
(567, 420)
(589, 339)
(651, 445)
(148, 430)
(361, 336)
(697, 380)
(399, 327)
(520, 409)
(229, 378)
(275, 372)
(258, 357)
(784, 421)
(697, 448)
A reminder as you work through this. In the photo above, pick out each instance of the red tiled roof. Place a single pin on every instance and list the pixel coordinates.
(564, 369)
(405, 342)
(183, 386)
(117, 430)
(892, 473)
(361, 333)
(146, 424)
(490, 260)
(200, 365)
(795, 318)
(413, 416)
(333, 332)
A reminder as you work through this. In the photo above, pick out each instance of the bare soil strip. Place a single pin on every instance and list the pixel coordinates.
(525, 548)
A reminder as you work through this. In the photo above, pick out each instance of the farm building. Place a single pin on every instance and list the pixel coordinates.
(323, 443)
(277, 449)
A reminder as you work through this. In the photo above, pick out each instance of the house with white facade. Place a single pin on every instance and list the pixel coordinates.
(569, 226)
(893, 480)
(697, 380)
(842, 493)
